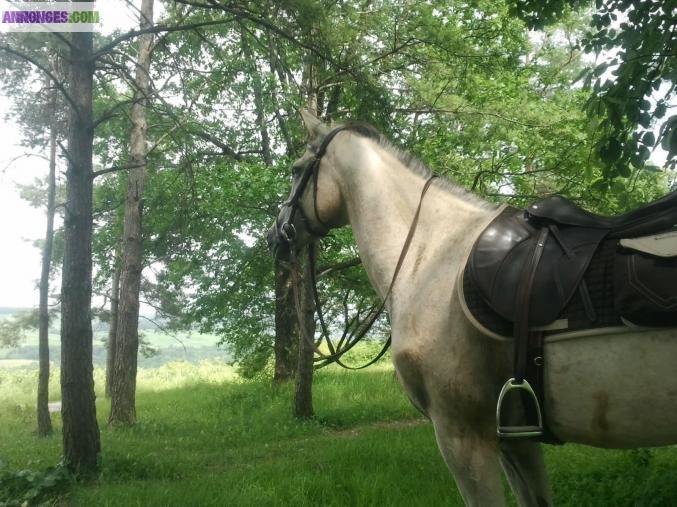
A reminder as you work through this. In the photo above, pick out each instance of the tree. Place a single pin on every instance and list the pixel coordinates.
(303, 392)
(123, 386)
(633, 88)
(286, 325)
(111, 346)
(44, 421)
(80, 429)
(41, 117)
(12, 329)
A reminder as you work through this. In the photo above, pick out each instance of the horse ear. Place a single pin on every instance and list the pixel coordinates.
(315, 128)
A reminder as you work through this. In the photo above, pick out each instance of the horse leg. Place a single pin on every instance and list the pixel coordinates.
(524, 467)
(473, 461)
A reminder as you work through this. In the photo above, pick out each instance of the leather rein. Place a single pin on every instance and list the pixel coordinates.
(287, 232)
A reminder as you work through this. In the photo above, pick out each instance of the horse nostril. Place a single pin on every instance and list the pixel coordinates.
(288, 232)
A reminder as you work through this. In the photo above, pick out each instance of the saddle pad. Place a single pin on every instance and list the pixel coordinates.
(660, 245)
(646, 288)
(599, 278)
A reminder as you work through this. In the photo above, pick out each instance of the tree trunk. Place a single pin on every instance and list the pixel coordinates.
(303, 400)
(286, 326)
(333, 103)
(310, 84)
(44, 421)
(303, 394)
(123, 392)
(113, 327)
(286, 323)
(78, 411)
(286, 329)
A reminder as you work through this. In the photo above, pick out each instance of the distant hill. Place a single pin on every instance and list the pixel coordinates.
(97, 325)
(8, 310)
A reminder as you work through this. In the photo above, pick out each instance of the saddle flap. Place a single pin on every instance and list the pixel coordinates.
(659, 245)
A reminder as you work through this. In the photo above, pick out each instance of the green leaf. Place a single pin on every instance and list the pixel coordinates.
(601, 184)
(668, 135)
(672, 143)
(649, 139)
(611, 151)
(623, 170)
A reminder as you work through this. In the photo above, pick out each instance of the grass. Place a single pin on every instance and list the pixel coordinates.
(207, 437)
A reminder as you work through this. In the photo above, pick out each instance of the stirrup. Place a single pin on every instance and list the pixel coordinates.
(526, 431)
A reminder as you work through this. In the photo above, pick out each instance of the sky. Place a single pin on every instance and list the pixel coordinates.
(21, 224)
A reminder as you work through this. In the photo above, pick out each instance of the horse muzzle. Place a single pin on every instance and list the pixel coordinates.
(282, 235)
(278, 247)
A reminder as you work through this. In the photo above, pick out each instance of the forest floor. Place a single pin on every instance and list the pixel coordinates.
(207, 437)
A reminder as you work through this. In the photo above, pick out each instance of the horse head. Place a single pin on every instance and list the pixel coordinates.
(315, 204)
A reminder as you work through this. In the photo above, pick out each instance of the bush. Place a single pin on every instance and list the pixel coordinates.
(28, 487)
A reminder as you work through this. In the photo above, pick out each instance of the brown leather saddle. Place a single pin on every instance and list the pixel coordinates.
(528, 264)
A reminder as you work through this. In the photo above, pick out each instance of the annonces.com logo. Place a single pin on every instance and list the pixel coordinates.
(48, 16)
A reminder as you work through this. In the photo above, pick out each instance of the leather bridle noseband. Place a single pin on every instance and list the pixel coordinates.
(287, 232)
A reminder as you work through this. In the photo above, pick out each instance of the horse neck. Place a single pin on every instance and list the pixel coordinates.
(381, 196)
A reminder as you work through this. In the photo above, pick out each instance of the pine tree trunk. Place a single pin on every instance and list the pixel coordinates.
(303, 394)
(113, 327)
(44, 420)
(123, 392)
(78, 411)
(286, 326)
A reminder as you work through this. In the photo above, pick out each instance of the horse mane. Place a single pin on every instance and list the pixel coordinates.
(413, 164)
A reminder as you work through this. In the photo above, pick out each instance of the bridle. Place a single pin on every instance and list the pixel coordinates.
(287, 232)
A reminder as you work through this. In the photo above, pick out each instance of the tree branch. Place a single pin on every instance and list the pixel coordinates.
(339, 266)
(24, 155)
(431, 110)
(116, 168)
(44, 69)
(155, 29)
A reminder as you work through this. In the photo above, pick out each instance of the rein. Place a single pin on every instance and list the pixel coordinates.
(288, 233)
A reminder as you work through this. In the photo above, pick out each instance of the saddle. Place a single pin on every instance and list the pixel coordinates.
(527, 265)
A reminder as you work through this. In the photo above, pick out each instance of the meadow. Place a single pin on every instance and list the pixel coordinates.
(207, 437)
(158, 348)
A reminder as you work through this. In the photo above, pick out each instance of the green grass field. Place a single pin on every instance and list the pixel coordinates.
(207, 437)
